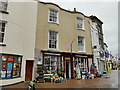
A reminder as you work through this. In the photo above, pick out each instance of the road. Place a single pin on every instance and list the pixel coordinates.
(102, 82)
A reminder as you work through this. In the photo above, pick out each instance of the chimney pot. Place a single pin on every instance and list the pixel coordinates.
(74, 9)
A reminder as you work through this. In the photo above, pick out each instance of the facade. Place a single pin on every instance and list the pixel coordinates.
(17, 40)
(63, 40)
(106, 56)
(34, 33)
(97, 43)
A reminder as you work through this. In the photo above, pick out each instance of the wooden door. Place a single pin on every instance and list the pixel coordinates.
(29, 68)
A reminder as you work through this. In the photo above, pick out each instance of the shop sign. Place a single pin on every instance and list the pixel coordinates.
(67, 58)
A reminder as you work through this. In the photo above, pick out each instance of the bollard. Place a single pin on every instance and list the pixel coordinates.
(31, 86)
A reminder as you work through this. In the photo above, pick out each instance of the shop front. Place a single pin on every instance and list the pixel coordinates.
(10, 70)
(66, 63)
(11, 66)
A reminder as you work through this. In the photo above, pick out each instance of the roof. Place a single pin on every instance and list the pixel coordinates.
(64, 9)
(94, 17)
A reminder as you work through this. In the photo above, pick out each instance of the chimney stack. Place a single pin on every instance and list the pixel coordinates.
(74, 9)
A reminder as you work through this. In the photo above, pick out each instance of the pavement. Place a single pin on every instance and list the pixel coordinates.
(102, 82)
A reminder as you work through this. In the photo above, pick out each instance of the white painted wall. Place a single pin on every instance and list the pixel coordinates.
(20, 33)
(95, 42)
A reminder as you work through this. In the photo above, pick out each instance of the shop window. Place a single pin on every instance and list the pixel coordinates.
(53, 15)
(53, 40)
(2, 31)
(82, 64)
(11, 66)
(16, 66)
(3, 5)
(52, 64)
(81, 43)
(80, 23)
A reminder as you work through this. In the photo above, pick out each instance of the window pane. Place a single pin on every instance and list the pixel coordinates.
(79, 23)
(80, 44)
(53, 15)
(53, 39)
(4, 57)
(47, 60)
(16, 66)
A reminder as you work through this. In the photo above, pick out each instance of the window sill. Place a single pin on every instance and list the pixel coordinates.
(11, 78)
(53, 22)
(4, 12)
(81, 29)
(53, 49)
(81, 51)
(2, 44)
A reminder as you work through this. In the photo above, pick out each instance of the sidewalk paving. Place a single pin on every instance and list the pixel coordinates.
(102, 82)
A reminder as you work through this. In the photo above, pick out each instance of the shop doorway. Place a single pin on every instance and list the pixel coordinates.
(29, 69)
(68, 69)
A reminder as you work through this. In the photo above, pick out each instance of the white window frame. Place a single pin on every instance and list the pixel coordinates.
(84, 44)
(82, 23)
(4, 31)
(57, 22)
(3, 8)
(56, 43)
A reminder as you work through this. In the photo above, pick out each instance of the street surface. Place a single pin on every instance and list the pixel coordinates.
(102, 82)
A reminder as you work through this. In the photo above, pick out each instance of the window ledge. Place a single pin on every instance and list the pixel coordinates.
(53, 22)
(2, 44)
(4, 12)
(81, 29)
(53, 49)
(81, 51)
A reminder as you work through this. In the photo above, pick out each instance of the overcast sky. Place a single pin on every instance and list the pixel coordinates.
(106, 11)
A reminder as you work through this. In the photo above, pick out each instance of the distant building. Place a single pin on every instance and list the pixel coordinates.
(97, 43)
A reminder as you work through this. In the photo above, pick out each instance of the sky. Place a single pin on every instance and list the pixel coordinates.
(105, 10)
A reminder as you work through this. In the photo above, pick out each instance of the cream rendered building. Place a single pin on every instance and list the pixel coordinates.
(63, 38)
(18, 21)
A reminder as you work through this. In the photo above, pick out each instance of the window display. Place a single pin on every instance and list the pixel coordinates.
(11, 66)
(82, 63)
(52, 63)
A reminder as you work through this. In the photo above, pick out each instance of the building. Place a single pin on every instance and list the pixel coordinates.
(106, 56)
(17, 40)
(43, 33)
(97, 43)
(63, 39)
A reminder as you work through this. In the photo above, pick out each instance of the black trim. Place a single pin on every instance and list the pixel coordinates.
(65, 53)
(3, 45)
(12, 84)
(11, 54)
(4, 12)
